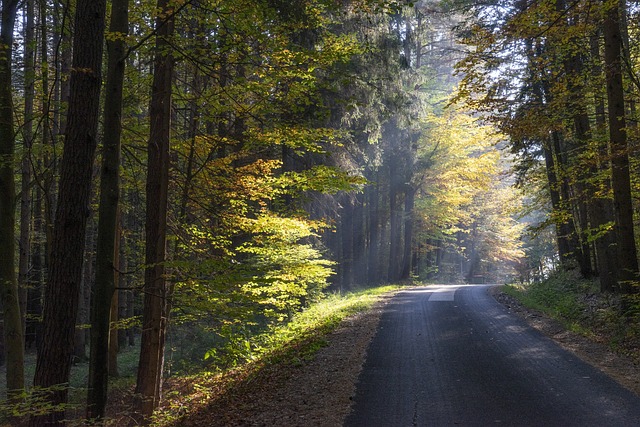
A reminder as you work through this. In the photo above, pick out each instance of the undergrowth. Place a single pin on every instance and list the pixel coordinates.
(580, 306)
(287, 345)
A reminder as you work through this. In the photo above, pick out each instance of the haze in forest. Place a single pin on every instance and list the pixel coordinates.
(180, 177)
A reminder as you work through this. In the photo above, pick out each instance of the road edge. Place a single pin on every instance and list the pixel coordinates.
(619, 367)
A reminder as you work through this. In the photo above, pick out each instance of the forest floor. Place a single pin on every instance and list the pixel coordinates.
(318, 392)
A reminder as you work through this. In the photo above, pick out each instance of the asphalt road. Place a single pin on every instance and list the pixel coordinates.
(452, 355)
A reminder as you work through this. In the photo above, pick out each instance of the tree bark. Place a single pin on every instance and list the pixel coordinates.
(620, 176)
(156, 289)
(106, 252)
(373, 261)
(602, 209)
(25, 185)
(65, 272)
(9, 295)
(346, 233)
(359, 241)
(563, 230)
(407, 257)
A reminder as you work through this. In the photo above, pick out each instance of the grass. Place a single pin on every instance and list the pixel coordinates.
(272, 352)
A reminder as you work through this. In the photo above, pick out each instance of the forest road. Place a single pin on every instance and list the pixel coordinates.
(452, 355)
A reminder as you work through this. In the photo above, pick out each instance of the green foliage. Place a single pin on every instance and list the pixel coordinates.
(558, 295)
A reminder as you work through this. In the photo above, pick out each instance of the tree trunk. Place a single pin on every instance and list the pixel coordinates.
(346, 261)
(25, 186)
(123, 296)
(602, 214)
(113, 339)
(150, 367)
(48, 137)
(395, 222)
(84, 301)
(407, 257)
(106, 251)
(9, 297)
(575, 102)
(359, 241)
(373, 229)
(564, 250)
(620, 177)
(65, 272)
(36, 275)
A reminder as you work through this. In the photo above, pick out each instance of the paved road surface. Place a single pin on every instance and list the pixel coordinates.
(451, 355)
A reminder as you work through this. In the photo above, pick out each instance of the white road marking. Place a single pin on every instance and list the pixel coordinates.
(443, 294)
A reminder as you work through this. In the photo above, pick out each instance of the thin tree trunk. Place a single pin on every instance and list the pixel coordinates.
(122, 292)
(48, 138)
(564, 250)
(65, 272)
(151, 363)
(395, 220)
(409, 201)
(114, 317)
(373, 263)
(36, 275)
(25, 186)
(9, 297)
(84, 301)
(359, 241)
(346, 261)
(106, 251)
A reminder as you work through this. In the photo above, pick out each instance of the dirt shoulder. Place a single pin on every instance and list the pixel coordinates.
(317, 392)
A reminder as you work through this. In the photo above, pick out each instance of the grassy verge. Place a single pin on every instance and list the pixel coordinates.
(581, 308)
(272, 353)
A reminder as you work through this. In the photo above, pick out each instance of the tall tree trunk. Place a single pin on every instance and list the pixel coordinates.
(114, 347)
(36, 275)
(84, 302)
(65, 272)
(407, 257)
(620, 177)
(346, 261)
(150, 367)
(48, 138)
(359, 241)
(373, 261)
(9, 298)
(106, 252)
(25, 186)
(122, 285)
(563, 230)
(574, 67)
(602, 213)
(395, 220)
